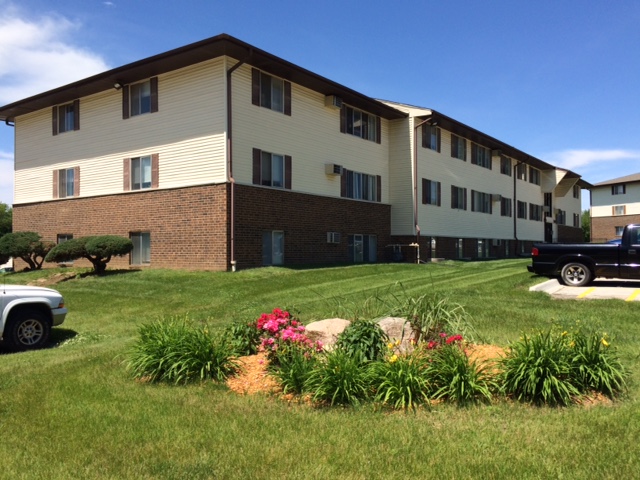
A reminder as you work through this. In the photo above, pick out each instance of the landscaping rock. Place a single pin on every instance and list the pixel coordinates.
(396, 329)
(326, 331)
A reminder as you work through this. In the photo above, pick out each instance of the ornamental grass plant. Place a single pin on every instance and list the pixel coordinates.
(339, 379)
(177, 350)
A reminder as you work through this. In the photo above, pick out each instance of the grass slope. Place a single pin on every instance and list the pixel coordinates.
(72, 412)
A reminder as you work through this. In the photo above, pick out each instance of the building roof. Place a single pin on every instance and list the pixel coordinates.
(191, 54)
(635, 177)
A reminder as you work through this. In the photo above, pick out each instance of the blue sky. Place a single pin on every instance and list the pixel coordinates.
(556, 79)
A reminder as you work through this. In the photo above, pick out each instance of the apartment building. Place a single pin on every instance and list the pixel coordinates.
(614, 204)
(219, 155)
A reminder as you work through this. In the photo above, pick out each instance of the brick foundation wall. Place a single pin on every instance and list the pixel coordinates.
(446, 248)
(305, 220)
(603, 228)
(188, 226)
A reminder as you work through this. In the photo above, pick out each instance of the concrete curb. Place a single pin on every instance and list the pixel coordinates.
(550, 287)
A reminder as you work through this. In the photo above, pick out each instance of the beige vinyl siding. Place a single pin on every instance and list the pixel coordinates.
(311, 135)
(401, 177)
(188, 132)
(602, 200)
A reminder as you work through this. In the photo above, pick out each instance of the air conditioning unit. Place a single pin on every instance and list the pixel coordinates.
(496, 242)
(333, 101)
(332, 169)
(496, 197)
(333, 237)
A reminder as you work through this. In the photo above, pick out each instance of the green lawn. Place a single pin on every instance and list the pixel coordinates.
(72, 411)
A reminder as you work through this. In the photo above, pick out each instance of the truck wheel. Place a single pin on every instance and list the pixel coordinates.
(27, 330)
(575, 274)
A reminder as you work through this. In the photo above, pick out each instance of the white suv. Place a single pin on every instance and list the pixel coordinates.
(28, 313)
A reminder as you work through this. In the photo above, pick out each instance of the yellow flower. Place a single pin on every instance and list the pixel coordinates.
(604, 342)
(393, 358)
(397, 343)
(390, 345)
(572, 344)
(564, 334)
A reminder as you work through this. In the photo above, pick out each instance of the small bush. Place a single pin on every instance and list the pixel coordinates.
(339, 379)
(456, 378)
(27, 246)
(596, 365)
(401, 381)
(244, 338)
(97, 249)
(177, 351)
(364, 339)
(293, 368)
(538, 369)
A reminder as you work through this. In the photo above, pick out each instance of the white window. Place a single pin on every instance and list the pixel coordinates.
(483, 247)
(521, 172)
(480, 202)
(458, 198)
(431, 192)
(141, 173)
(619, 209)
(141, 253)
(505, 165)
(619, 231)
(66, 182)
(576, 191)
(273, 248)
(361, 124)
(140, 100)
(561, 217)
(361, 186)
(534, 175)
(618, 189)
(459, 248)
(522, 209)
(66, 118)
(363, 248)
(272, 170)
(458, 147)
(431, 137)
(481, 156)
(576, 220)
(505, 207)
(271, 92)
(535, 212)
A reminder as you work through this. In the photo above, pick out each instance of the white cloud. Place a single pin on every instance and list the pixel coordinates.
(37, 54)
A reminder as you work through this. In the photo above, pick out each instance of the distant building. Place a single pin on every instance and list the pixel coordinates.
(614, 204)
(219, 154)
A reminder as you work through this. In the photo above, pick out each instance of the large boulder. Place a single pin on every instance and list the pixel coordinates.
(326, 331)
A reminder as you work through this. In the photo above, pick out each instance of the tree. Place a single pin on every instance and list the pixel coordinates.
(98, 250)
(25, 245)
(6, 218)
(586, 225)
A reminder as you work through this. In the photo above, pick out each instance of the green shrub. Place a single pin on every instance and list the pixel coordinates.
(339, 379)
(178, 351)
(293, 367)
(401, 381)
(97, 249)
(596, 365)
(27, 246)
(454, 377)
(364, 339)
(538, 369)
(244, 338)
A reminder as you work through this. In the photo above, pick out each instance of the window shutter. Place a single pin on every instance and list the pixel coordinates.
(424, 136)
(474, 154)
(76, 114)
(257, 174)
(287, 98)
(154, 94)
(473, 201)
(379, 188)
(438, 139)
(54, 120)
(255, 87)
(453, 196)
(378, 130)
(490, 204)
(343, 119)
(287, 172)
(439, 193)
(425, 191)
(343, 183)
(76, 181)
(464, 149)
(624, 188)
(155, 171)
(465, 199)
(55, 183)
(454, 146)
(127, 174)
(125, 102)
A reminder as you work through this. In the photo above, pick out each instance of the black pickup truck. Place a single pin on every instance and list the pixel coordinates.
(579, 263)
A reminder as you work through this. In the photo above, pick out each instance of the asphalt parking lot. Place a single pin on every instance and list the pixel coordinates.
(627, 290)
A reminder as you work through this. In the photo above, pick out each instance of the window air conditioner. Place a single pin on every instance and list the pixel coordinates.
(333, 237)
(333, 169)
(333, 101)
